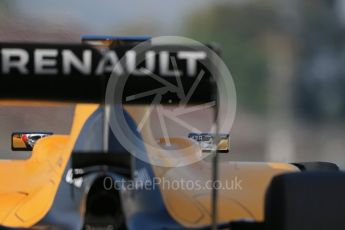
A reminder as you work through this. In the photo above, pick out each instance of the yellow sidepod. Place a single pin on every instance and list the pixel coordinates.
(242, 184)
(28, 187)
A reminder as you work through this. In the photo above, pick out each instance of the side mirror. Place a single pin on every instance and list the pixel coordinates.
(25, 141)
(207, 142)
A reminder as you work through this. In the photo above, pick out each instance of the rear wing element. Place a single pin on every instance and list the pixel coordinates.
(79, 73)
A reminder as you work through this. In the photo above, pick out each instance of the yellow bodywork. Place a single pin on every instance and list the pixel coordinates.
(18, 142)
(224, 145)
(28, 187)
(192, 207)
(243, 187)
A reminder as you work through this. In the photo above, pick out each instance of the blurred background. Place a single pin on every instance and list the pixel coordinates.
(287, 59)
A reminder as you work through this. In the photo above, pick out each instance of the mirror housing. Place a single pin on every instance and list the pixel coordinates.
(25, 141)
(207, 141)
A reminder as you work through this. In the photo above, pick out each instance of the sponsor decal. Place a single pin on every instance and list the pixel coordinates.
(36, 59)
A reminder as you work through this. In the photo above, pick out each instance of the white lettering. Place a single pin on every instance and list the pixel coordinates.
(131, 62)
(14, 58)
(69, 59)
(110, 58)
(191, 58)
(44, 62)
(164, 65)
